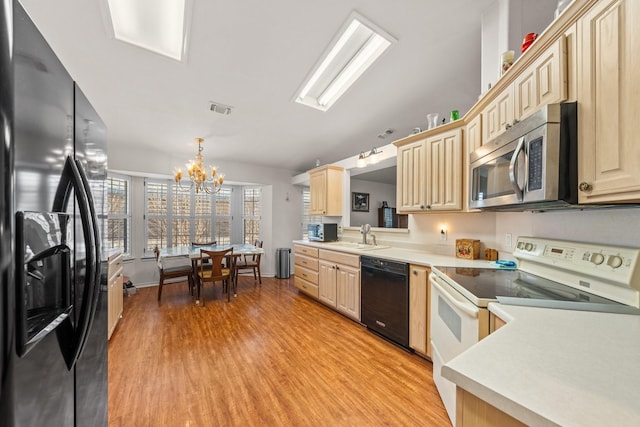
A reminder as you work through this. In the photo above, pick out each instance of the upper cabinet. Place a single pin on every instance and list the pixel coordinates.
(543, 82)
(430, 173)
(607, 92)
(325, 187)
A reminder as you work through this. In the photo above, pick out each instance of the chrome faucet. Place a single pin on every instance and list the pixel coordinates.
(364, 230)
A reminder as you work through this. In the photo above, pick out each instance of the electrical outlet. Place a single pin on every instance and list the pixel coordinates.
(507, 241)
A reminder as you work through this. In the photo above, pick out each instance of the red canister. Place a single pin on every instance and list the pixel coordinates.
(528, 39)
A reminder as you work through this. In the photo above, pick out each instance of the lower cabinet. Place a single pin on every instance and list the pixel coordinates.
(306, 270)
(419, 339)
(339, 282)
(471, 411)
(115, 273)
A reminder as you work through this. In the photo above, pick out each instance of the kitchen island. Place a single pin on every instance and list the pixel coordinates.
(556, 367)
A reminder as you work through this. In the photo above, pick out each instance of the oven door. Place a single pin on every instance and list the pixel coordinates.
(455, 327)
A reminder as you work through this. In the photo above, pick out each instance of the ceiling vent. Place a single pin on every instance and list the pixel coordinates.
(219, 108)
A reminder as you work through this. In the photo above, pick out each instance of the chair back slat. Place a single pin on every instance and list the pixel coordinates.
(216, 258)
(213, 243)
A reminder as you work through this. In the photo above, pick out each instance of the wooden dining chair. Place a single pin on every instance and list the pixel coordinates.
(211, 243)
(251, 262)
(172, 273)
(216, 272)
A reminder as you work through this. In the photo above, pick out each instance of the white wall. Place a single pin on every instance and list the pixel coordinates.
(281, 204)
(504, 25)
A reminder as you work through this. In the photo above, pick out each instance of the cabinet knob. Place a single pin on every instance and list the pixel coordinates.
(507, 126)
(415, 272)
(585, 186)
(337, 267)
(515, 121)
(428, 206)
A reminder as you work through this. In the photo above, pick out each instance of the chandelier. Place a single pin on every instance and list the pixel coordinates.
(197, 173)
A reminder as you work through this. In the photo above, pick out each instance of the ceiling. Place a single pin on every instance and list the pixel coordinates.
(253, 55)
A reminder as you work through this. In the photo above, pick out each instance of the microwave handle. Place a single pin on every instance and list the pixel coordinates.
(513, 176)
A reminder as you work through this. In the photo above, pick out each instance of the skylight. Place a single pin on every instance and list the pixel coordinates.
(353, 51)
(156, 25)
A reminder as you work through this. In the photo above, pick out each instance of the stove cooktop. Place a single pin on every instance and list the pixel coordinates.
(515, 287)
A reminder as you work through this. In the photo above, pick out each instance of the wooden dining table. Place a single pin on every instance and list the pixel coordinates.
(171, 255)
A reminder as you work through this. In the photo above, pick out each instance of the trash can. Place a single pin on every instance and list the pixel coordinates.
(282, 263)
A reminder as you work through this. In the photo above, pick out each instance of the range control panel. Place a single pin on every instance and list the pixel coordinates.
(611, 263)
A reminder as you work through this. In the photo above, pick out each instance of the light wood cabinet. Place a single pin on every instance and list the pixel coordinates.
(430, 173)
(495, 322)
(412, 177)
(306, 270)
(325, 188)
(419, 337)
(115, 274)
(543, 82)
(339, 281)
(444, 171)
(473, 136)
(608, 88)
(348, 291)
(327, 282)
(497, 115)
(471, 411)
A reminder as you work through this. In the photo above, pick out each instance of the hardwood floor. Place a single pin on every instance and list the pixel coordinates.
(270, 357)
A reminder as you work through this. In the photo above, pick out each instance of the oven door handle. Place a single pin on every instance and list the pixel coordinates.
(513, 170)
(468, 308)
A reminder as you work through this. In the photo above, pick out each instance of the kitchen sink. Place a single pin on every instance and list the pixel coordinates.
(359, 246)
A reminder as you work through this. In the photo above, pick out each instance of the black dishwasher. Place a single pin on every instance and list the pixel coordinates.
(385, 298)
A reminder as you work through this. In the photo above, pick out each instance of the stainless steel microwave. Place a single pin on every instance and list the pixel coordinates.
(532, 165)
(323, 232)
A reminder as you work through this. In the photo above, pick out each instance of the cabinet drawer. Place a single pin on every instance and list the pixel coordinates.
(306, 274)
(307, 262)
(117, 279)
(306, 287)
(306, 250)
(115, 265)
(340, 258)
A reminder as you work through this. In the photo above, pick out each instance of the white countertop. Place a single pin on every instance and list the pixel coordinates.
(551, 366)
(411, 256)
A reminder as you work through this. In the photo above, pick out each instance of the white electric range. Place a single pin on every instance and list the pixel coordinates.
(549, 273)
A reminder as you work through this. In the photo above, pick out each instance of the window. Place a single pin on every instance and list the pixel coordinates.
(156, 204)
(119, 214)
(251, 214)
(223, 216)
(307, 218)
(176, 216)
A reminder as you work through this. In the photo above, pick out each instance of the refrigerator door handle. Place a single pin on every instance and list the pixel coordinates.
(95, 295)
(71, 179)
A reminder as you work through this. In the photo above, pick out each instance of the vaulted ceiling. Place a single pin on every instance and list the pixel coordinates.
(253, 55)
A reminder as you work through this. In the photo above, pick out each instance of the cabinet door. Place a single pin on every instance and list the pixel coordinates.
(444, 173)
(543, 82)
(318, 192)
(608, 88)
(412, 183)
(473, 135)
(497, 115)
(348, 288)
(418, 309)
(327, 282)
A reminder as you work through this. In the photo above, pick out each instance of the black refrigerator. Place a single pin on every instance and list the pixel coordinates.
(53, 323)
